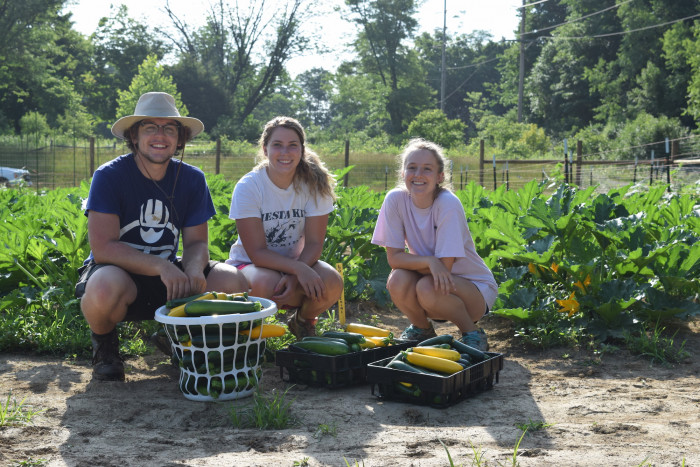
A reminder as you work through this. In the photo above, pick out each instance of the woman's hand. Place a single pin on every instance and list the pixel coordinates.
(442, 277)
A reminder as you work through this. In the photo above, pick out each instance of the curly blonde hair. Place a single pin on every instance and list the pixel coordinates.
(310, 171)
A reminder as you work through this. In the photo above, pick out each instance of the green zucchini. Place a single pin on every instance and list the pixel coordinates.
(330, 347)
(464, 363)
(349, 337)
(476, 354)
(226, 340)
(175, 302)
(442, 339)
(413, 391)
(324, 339)
(220, 307)
(401, 365)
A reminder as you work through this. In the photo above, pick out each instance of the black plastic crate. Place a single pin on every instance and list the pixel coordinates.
(298, 366)
(434, 390)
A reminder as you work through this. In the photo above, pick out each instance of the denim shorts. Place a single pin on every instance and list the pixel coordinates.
(151, 293)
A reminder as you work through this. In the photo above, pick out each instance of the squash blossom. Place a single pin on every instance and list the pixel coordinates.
(569, 305)
(586, 283)
(555, 268)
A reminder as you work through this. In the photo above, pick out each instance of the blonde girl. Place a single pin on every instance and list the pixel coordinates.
(441, 277)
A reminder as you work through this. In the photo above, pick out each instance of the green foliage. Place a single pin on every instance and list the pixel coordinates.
(434, 126)
(266, 412)
(512, 139)
(14, 413)
(151, 77)
(572, 265)
(34, 123)
(655, 345)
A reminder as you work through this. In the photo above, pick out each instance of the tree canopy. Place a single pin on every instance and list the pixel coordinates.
(589, 68)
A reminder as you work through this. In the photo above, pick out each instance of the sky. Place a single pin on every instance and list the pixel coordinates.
(498, 17)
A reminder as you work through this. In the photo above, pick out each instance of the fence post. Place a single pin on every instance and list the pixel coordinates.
(347, 162)
(218, 155)
(494, 172)
(92, 155)
(481, 162)
(579, 161)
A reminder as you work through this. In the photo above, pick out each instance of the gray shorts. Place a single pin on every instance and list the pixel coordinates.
(151, 293)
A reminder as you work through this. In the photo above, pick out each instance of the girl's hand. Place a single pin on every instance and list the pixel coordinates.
(311, 283)
(442, 277)
(285, 288)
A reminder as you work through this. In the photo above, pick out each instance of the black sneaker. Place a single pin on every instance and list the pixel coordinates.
(107, 364)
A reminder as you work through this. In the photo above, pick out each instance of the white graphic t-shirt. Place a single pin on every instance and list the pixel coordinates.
(283, 213)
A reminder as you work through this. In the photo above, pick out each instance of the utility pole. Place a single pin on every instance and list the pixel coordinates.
(521, 76)
(442, 67)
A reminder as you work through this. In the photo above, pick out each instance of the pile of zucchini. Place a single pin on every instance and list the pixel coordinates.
(438, 356)
(210, 304)
(355, 338)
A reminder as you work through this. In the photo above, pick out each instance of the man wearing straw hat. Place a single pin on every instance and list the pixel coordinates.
(138, 206)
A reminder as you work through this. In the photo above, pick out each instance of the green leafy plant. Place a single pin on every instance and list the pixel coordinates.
(533, 425)
(16, 413)
(325, 429)
(267, 412)
(656, 346)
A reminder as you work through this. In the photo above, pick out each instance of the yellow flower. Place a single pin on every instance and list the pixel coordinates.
(569, 305)
(531, 267)
(585, 284)
(555, 267)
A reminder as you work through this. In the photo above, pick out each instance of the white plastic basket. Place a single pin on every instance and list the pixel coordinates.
(216, 361)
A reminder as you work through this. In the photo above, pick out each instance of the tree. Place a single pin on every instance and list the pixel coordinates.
(121, 45)
(243, 55)
(34, 124)
(434, 126)
(40, 56)
(384, 27)
(316, 87)
(151, 77)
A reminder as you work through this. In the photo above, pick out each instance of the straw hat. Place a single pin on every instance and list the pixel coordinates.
(156, 105)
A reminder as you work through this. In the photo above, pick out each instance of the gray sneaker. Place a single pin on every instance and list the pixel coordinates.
(476, 339)
(301, 329)
(413, 333)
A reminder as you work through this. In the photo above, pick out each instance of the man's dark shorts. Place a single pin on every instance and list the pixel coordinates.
(150, 290)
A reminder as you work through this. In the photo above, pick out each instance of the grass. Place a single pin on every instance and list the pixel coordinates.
(654, 345)
(478, 454)
(14, 413)
(533, 425)
(326, 430)
(267, 412)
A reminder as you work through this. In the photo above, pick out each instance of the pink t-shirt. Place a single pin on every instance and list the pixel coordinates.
(440, 230)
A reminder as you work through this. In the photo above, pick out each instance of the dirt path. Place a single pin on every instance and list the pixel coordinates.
(613, 410)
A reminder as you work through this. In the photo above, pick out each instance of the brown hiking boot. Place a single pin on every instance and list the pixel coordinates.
(107, 364)
(299, 328)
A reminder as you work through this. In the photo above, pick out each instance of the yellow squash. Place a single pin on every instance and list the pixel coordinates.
(432, 363)
(264, 331)
(367, 330)
(448, 354)
(179, 311)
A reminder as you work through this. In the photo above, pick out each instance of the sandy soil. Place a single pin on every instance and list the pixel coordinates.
(612, 410)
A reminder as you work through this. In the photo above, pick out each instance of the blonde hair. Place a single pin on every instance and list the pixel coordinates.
(418, 144)
(310, 171)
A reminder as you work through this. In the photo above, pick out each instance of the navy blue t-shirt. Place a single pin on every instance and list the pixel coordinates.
(148, 219)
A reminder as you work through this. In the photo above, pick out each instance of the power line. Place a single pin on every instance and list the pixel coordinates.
(619, 33)
(535, 31)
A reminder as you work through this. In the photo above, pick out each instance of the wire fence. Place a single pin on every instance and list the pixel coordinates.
(675, 162)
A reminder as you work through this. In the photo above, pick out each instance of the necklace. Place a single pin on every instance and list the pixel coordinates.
(172, 194)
